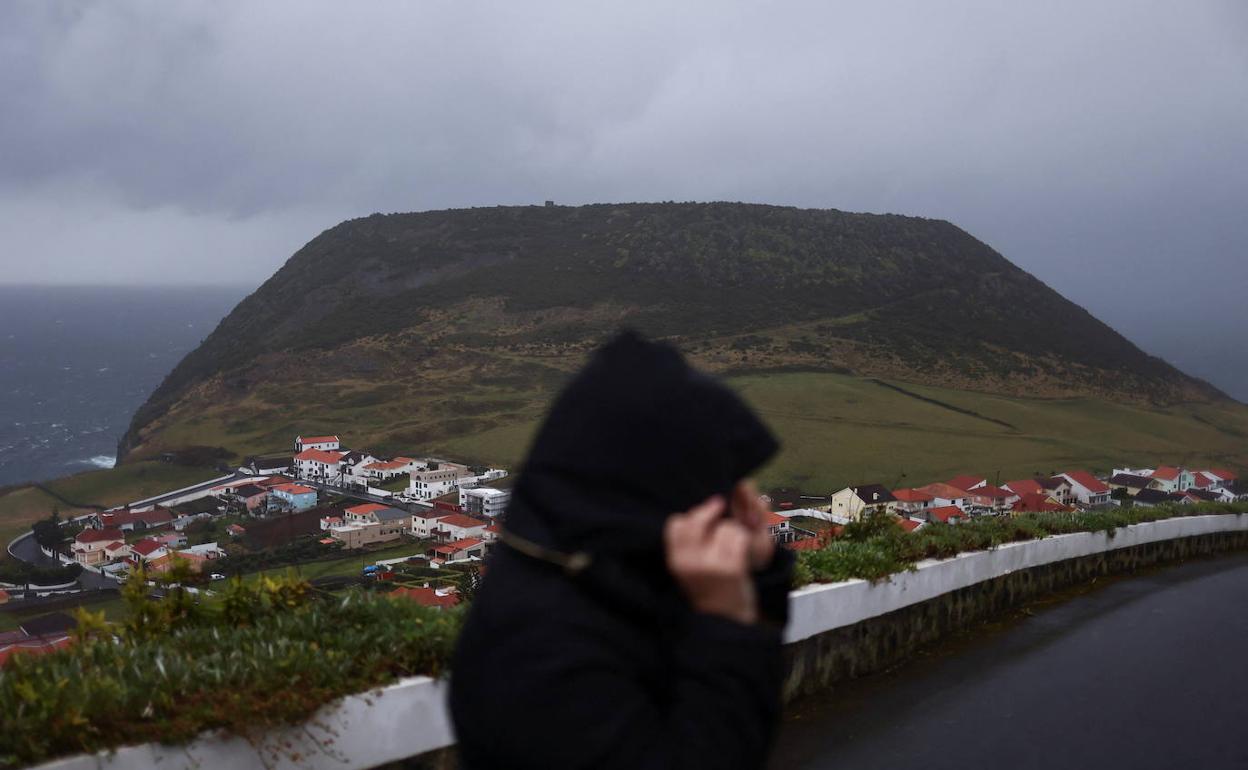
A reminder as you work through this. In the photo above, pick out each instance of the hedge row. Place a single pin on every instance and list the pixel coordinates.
(875, 547)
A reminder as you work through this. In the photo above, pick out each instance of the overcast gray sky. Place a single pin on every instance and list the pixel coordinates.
(1101, 146)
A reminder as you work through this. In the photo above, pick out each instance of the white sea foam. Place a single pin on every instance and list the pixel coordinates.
(100, 461)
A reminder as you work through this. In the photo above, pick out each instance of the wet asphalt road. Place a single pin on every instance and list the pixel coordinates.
(1149, 671)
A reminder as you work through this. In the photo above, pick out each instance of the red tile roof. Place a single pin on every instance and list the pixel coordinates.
(1025, 487)
(909, 525)
(317, 439)
(366, 508)
(773, 519)
(1200, 480)
(99, 535)
(1166, 473)
(1037, 503)
(153, 518)
(320, 456)
(966, 482)
(387, 465)
(945, 491)
(466, 543)
(1224, 474)
(274, 481)
(294, 489)
(996, 493)
(1087, 481)
(460, 520)
(946, 512)
(146, 547)
(911, 496)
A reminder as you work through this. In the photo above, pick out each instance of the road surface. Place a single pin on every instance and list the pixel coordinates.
(27, 550)
(1149, 671)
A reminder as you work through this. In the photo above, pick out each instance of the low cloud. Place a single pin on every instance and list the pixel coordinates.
(1100, 146)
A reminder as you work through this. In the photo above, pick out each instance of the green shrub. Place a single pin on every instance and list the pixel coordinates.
(874, 547)
(260, 656)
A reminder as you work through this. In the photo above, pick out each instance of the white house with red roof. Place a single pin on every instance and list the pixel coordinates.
(911, 501)
(779, 528)
(1000, 498)
(944, 495)
(424, 523)
(363, 514)
(1086, 488)
(986, 498)
(1222, 476)
(1038, 502)
(458, 526)
(325, 443)
(1168, 478)
(90, 546)
(147, 551)
(384, 470)
(319, 464)
(945, 514)
(1201, 480)
(491, 533)
(460, 550)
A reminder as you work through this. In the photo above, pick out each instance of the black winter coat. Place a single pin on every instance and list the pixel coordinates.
(579, 651)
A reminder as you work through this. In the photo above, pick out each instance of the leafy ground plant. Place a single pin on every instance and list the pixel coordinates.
(262, 655)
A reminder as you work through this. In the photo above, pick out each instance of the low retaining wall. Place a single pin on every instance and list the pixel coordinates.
(403, 720)
(836, 632)
(847, 630)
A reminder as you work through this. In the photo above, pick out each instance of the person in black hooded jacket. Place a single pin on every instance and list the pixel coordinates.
(631, 616)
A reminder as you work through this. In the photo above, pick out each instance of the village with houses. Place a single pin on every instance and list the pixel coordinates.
(422, 528)
(359, 501)
(804, 522)
(350, 500)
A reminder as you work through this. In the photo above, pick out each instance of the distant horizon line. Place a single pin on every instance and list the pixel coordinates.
(188, 285)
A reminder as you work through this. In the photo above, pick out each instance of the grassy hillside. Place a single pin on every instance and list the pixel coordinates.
(22, 506)
(839, 430)
(457, 314)
(836, 429)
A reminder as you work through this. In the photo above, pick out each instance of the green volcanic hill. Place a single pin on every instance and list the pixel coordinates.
(450, 330)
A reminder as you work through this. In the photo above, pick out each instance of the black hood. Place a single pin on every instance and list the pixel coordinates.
(638, 434)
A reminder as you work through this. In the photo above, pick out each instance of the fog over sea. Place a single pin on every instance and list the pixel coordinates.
(75, 363)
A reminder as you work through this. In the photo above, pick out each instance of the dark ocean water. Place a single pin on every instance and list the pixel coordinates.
(76, 362)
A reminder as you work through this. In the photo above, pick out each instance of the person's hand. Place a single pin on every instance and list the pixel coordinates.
(709, 556)
(748, 508)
